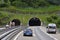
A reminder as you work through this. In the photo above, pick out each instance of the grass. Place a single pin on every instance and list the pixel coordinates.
(24, 18)
(33, 10)
(25, 14)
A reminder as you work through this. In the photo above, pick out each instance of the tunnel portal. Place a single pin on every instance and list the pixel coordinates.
(16, 21)
(34, 22)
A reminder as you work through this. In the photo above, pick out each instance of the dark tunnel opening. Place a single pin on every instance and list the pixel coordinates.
(16, 21)
(34, 22)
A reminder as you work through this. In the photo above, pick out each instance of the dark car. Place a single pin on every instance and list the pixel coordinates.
(27, 32)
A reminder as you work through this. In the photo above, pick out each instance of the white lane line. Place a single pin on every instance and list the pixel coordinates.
(17, 35)
(39, 36)
(34, 34)
(20, 33)
(32, 30)
(49, 35)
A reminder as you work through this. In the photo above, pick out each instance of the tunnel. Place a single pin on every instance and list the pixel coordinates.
(34, 22)
(16, 21)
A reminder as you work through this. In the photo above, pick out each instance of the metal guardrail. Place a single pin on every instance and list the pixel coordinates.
(8, 35)
(5, 34)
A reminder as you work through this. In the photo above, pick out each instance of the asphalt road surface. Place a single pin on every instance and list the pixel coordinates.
(8, 29)
(37, 35)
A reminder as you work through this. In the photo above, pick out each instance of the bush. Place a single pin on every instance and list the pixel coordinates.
(19, 4)
(52, 19)
(3, 5)
(58, 23)
(54, 16)
(4, 18)
(30, 3)
(54, 2)
(49, 19)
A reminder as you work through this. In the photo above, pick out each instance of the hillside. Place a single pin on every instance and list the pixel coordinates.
(29, 3)
(30, 6)
(46, 10)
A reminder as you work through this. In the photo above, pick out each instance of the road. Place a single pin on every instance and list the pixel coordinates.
(8, 29)
(37, 35)
(57, 35)
(8, 33)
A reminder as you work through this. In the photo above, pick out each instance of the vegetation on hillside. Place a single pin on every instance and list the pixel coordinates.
(23, 10)
(4, 18)
(29, 3)
(53, 18)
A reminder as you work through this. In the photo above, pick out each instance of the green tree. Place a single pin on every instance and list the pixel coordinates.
(29, 3)
(58, 23)
(11, 1)
(54, 2)
(19, 4)
(52, 18)
(3, 18)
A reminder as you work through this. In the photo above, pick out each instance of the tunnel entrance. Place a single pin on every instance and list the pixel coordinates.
(34, 22)
(16, 21)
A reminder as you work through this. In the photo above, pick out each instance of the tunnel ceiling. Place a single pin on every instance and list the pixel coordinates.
(17, 22)
(34, 22)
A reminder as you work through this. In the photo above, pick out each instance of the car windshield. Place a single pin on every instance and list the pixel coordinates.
(52, 27)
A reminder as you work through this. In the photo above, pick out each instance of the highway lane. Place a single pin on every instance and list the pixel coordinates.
(12, 34)
(8, 29)
(41, 35)
(37, 35)
(21, 37)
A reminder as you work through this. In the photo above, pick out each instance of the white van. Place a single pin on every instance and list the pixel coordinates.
(51, 28)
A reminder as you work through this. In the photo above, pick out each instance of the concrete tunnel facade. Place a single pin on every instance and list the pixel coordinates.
(16, 21)
(34, 22)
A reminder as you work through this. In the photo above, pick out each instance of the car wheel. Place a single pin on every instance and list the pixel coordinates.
(24, 35)
(54, 32)
(31, 35)
(47, 32)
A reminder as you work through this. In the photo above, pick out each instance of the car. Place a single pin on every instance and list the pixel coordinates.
(51, 28)
(7, 26)
(27, 32)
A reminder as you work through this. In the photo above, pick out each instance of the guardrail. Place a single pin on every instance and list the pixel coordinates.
(7, 33)
(10, 34)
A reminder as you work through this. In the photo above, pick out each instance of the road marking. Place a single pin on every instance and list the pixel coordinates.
(32, 30)
(20, 33)
(34, 34)
(17, 35)
(39, 36)
(49, 35)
